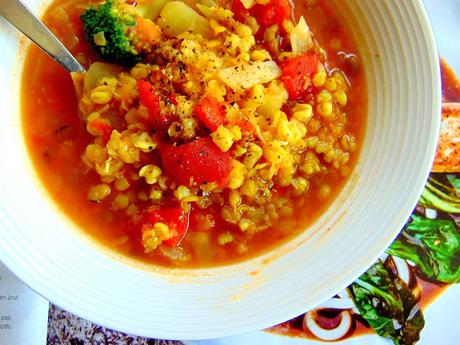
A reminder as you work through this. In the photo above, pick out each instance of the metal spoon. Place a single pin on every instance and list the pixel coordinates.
(25, 21)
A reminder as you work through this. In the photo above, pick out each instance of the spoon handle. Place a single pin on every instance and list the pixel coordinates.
(25, 21)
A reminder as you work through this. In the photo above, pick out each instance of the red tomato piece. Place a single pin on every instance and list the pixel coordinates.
(211, 112)
(173, 99)
(272, 13)
(297, 72)
(239, 10)
(200, 159)
(266, 15)
(175, 218)
(150, 99)
(162, 121)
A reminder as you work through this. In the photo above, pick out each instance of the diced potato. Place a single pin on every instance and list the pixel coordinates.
(177, 17)
(249, 75)
(97, 71)
(300, 38)
(151, 9)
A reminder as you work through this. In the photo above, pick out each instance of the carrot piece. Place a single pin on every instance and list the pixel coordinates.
(147, 31)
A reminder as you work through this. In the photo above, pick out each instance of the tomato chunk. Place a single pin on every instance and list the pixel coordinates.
(150, 99)
(239, 10)
(200, 159)
(175, 218)
(275, 12)
(297, 72)
(211, 112)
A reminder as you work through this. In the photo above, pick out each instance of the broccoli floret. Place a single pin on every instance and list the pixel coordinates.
(109, 30)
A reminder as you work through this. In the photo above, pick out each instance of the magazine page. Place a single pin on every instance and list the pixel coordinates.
(23, 313)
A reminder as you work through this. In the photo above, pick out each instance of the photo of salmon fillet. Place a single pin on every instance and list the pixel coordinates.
(448, 153)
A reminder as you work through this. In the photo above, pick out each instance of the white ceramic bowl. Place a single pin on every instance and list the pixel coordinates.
(43, 249)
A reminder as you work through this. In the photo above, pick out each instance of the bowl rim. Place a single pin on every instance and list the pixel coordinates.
(16, 268)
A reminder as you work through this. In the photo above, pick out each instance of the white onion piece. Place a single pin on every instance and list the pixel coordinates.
(300, 37)
(248, 75)
(328, 334)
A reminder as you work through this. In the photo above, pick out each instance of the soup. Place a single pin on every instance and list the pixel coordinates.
(203, 133)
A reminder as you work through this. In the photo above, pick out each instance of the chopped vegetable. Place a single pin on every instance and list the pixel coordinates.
(117, 23)
(274, 12)
(150, 99)
(200, 160)
(211, 112)
(147, 31)
(300, 38)
(250, 74)
(151, 9)
(177, 17)
(433, 245)
(271, 13)
(97, 71)
(239, 10)
(388, 305)
(296, 74)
